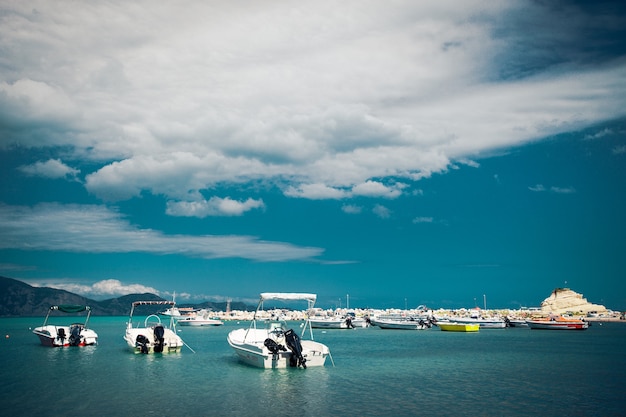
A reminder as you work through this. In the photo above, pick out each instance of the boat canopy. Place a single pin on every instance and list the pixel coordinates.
(288, 296)
(70, 308)
(154, 302)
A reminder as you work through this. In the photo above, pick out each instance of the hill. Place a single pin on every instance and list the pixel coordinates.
(20, 299)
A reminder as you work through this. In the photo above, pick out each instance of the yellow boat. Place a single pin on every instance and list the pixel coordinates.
(459, 327)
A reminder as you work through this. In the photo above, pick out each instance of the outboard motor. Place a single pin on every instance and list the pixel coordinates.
(159, 341)
(293, 343)
(142, 343)
(274, 347)
(75, 334)
(349, 323)
(61, 334)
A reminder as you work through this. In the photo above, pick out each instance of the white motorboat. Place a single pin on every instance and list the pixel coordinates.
(276, 345)
(337, 322)
(558, 323)
(484, 323)
(409, 323)
(153, 336)
(199, 318)
(76, 334)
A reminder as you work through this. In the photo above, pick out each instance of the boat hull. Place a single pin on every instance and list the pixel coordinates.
(199, 323)
(484, 323)
(401, 324)
(459, 327)
(557, 324)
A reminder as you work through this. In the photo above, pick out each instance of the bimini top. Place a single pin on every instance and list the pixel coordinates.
(288, 296)
(70, 308)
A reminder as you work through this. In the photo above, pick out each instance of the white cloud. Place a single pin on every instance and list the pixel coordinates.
(377, 189)
(215, 206)
(101, 289)
(351, 209)
(381, 211)
(537, 188)
(423, 220)
(96, 229)
(563, 190)
(324, 97)
(52, 168)
(619, 149)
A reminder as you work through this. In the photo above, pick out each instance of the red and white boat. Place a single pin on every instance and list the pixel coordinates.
(558, 323)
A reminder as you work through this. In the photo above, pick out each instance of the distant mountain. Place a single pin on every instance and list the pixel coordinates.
(20, 299)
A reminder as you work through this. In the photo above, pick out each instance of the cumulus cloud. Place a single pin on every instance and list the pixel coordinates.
(215, 206)
(553, 189)
(328, 100)
(100, 289)
(52, 168)
(537, 188)
(97, 229)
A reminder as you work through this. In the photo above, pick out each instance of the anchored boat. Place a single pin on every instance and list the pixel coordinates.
(76, 334)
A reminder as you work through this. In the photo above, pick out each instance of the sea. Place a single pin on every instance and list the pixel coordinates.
(494, 372)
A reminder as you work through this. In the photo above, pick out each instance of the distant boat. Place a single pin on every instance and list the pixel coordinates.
(76, 334)
(153, 337)
(276, 345)
(484, 323)
(558, 323)
(199, 319)
(349, 321)
(408, 323)
(458, 327)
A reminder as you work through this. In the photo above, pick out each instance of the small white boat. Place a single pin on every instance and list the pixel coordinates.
(337, 322)
(76, 334)
(484, 323)
(153, 337)
(409, 323)
(200, 318)
(276, 345)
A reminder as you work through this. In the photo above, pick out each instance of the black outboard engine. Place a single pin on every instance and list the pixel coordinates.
(142, 343)
(349, 323)
(61, 334)
(159, 341)
(293, 343)
(274, 347)
(75, 330)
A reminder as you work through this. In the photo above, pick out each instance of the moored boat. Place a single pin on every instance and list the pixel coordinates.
(409, 323)
(76, 334)
(200, 318)
(458, 327)
(276, 345)
(484, 323)
(557, 323)
(153, 336)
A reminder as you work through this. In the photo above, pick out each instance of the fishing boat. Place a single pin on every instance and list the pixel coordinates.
(153, 336)
(200, 318)
(76, 334)
(409, 323)
(558, 323)
(458, 327)
(272, 344)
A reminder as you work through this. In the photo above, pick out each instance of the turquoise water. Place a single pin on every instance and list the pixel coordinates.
(509, 372)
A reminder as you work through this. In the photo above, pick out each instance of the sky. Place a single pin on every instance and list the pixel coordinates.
(379, 154)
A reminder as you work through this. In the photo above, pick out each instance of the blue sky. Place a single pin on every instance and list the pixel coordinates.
(404, 153)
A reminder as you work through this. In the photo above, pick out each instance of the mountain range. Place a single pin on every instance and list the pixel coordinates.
(20, 299)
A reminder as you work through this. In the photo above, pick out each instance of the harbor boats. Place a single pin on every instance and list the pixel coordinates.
(200, 318)
(272, 344)
(76, 334)
(458, 327)
(153, 336)
(409, 323)
(557, 323)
